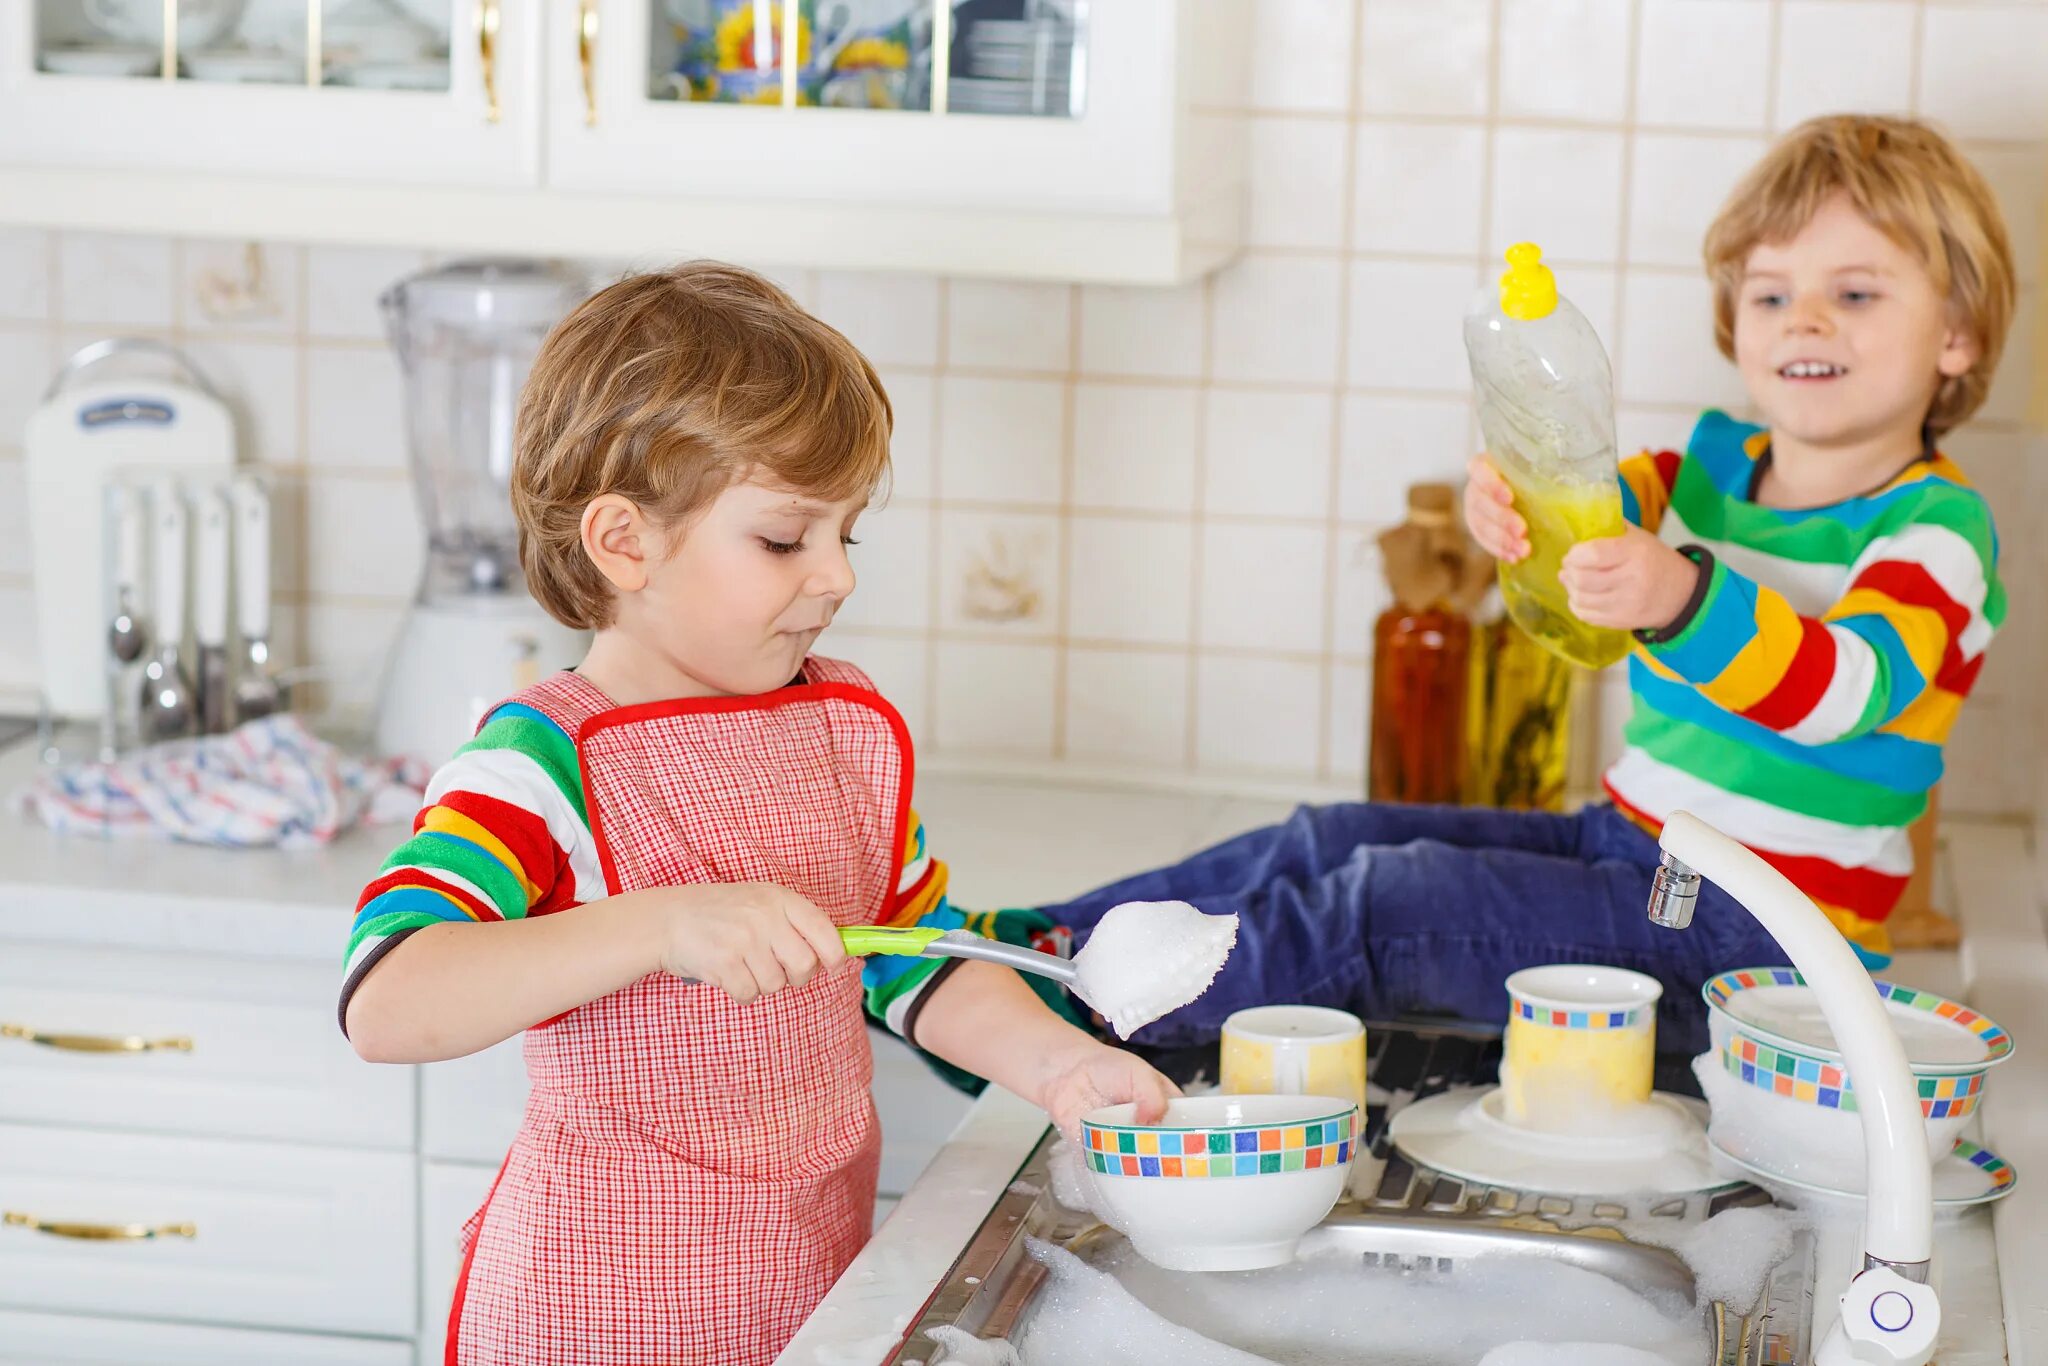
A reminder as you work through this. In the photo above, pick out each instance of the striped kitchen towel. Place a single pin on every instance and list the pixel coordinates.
(270, 784)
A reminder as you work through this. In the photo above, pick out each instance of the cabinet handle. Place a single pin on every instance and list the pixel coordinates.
(586, 57)
(98, 1233)
(96, 1043)
(487, 47)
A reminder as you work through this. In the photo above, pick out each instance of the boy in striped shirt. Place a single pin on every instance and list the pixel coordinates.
(1811, 601)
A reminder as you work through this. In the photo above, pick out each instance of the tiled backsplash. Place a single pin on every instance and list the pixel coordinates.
(1133, 529)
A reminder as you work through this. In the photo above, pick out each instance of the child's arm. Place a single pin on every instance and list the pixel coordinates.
(1501, 532)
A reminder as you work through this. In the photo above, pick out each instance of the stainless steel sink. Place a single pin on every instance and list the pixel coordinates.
(1408, 1219)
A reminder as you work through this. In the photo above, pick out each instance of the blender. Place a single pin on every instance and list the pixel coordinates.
(466, 335)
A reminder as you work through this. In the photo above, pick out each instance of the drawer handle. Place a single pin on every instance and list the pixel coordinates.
(98, 1233)
(96, 1043)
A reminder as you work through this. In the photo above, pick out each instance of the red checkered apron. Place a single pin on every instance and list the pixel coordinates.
(692, 1175)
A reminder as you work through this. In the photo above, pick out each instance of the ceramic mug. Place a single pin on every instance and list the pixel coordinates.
(1295, 1051)
(1581, 1045)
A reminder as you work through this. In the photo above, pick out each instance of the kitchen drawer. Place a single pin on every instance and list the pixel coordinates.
(449, 1193)
(919, 1112)
(256, 1054)
(296, 1237)
(60, 1340)
(470, 1107)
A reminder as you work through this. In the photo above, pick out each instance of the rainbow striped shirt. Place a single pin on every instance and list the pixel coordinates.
(504, 832)
(1801, 701)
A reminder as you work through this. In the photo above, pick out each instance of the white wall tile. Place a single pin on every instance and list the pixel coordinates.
(260, 380)
(2012, 389)
(2022, 190)
(27, 363)
(1838, 56)
(1390, 443)
(1005, 325)
(17, 553)
(911, 397)
(1267, 453)
(892, 569)
(1301, 55)
(1131, 581)
(1704, 63)
(1127, 708)
(1425, 56)
(900, 668)
(363, 537)
(1253, 714)
(1558, 189)
(1981, 70)
(1276, 319)
(1000, 439)
(1677, 186)
(289, 518)
(1405, 325)
(349, 643)
(1419, 187)
(893, 319)
(1362, 592)
(1350, 699)
(1564, 58)
(112, 278)
(1651, 429)
(1134, 446)
(1667, 348)
(242, 287)
(1262, 587)
(343, 285)
(21, 660)
(1983, 776)
(995, 698)
(999, 572)
(1296, 193)
(24, 273)
(1130, 330)
(354, 408)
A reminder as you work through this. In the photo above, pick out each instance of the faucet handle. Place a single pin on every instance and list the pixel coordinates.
(1886, 1320)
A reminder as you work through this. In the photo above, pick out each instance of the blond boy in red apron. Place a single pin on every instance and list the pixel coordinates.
(643, 863)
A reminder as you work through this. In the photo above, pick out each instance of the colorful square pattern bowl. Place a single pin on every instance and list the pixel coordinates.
(1779, 1079)
(1221, 1183)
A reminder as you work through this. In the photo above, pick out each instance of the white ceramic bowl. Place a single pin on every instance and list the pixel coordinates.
(1221, 1183)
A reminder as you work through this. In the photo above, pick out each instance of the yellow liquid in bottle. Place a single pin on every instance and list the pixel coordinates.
(1559, 517)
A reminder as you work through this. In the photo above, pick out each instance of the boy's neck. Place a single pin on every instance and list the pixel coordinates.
(1805, 474)
(629, 673)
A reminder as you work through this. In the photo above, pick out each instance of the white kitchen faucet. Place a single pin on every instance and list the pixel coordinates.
(1889, 1314)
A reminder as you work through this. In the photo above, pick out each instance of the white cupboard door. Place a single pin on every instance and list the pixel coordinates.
(628, 129)
(30, 1339)
(449, 1193)
(471, 1107)
(263, 1234)
(420, 92)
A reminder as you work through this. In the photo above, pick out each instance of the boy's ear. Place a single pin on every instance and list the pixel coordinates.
(1959, 351)
(619, 541)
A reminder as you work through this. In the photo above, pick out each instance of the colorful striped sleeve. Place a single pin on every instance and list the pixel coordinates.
(501, 835)
(1646, 481)
(894, 984)
(1910, 630)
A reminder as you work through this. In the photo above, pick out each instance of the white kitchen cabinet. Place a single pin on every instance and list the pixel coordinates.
(1087, 141)
(449, 1193)
(471, 1107)
(264, 1234)
(31, 1339)
(74, 95)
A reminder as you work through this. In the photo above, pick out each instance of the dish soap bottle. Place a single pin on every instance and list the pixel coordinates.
(1546, 405)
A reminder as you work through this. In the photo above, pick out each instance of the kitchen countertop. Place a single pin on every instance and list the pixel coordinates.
(1986, 877)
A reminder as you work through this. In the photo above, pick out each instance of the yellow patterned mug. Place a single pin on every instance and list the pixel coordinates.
(1581, 1046)
(1294, 1051)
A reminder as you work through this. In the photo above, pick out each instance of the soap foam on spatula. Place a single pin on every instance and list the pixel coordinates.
(1146, 959)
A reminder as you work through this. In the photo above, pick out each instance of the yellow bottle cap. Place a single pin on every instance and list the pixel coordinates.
(1528, 290)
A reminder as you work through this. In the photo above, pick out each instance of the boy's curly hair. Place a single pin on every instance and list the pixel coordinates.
(667, 388)
(1912, 185)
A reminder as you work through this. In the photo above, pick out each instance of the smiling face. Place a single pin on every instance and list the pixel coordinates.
(1840, 334)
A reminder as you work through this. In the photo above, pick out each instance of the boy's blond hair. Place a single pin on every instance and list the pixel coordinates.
(1912, 185)
(667, 388)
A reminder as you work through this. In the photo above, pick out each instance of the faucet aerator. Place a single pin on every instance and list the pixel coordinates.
(1674, 892)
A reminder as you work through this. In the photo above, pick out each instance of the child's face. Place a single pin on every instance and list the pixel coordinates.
(1840, 335)
(749, 586)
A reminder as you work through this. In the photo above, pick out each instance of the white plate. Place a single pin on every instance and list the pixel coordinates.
(1969, 1175)
(103, 60)
(256, 67)
(1463, 1134)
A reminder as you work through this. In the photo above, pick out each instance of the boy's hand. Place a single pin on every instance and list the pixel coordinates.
(1630, 582)
(1093, 1075)
(747, 939)
(1490, 513)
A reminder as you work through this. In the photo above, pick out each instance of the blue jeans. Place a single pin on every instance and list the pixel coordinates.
(1388, 910)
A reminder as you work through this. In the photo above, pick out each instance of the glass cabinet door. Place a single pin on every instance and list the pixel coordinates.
(368, 44)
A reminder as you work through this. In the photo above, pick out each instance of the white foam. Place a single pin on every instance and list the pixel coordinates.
(1731, 1254)
(1071, 1187)
(965, 1349)
(1569, 1354)
(1147, 958)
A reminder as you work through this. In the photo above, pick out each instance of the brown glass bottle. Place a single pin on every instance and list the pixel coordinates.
(1421, 649)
